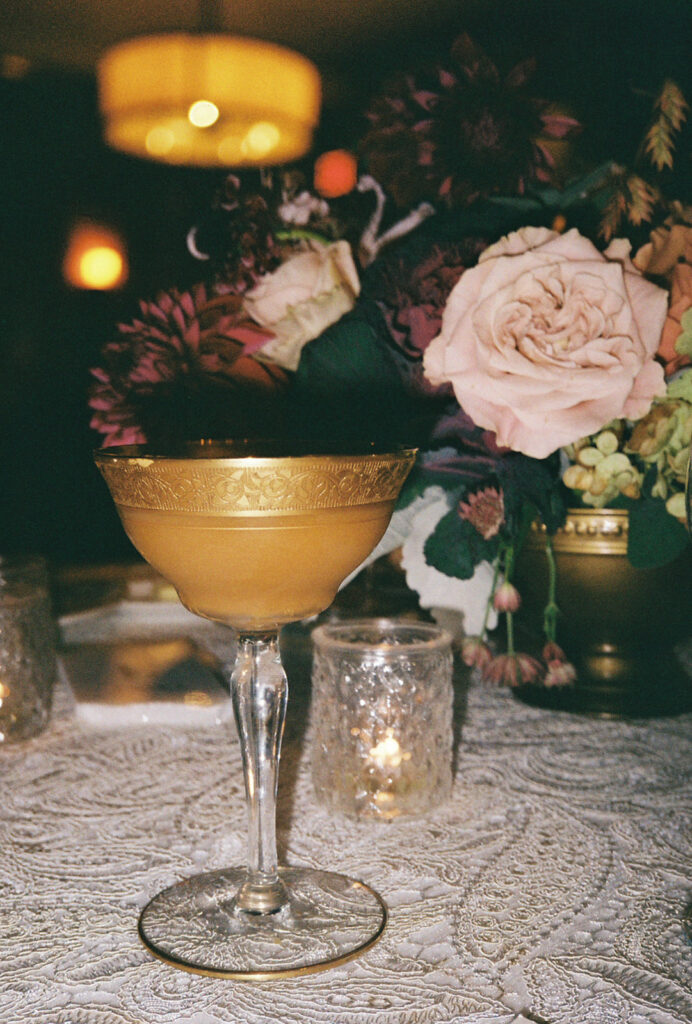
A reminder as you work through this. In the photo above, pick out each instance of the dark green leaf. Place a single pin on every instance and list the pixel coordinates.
(414, 486)
(347, 384)
(655, 537)
(347, 356)
(536, 482)
(455, 547)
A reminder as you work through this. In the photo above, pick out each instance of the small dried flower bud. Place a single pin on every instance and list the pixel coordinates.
(553, 652)
(600, 500)
(560, 673)
(653, 431)
(506, 598)
(475, 652)
(659, 488)
(630, 488)
(599, 485)
(611, 465)
(512, 670)
(678, 463)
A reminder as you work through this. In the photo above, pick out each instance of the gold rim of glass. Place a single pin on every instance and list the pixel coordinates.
(252, 477)
(260, 449)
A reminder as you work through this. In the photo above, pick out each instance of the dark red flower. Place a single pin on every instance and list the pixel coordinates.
(454, 133)
(411, 285)
(239, 236)
(552, 652)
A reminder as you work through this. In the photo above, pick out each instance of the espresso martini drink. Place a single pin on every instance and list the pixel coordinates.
(256, 536)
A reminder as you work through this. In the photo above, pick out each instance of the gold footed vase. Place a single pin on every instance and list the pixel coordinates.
(619, 626)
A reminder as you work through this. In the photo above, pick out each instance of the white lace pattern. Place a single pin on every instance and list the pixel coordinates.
(550, 888)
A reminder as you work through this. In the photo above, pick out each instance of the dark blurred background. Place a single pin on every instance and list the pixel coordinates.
(602, 60)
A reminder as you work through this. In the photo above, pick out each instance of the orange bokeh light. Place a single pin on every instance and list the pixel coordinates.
(95, 257)
(336, 173)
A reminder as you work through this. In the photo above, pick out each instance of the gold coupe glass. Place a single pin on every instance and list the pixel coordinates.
(257, 535)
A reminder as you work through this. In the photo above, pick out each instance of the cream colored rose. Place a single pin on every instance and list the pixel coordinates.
(547, 339)
(304, 296)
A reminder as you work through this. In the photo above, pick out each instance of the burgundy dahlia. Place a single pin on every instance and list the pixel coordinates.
(411, 285)
(457, 132)
(240, 236)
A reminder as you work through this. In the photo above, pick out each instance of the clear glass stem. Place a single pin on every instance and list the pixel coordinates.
(259, 690)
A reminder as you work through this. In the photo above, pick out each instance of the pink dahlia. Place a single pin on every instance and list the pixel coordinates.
(177, 369)
(560, 673)
(506, 598)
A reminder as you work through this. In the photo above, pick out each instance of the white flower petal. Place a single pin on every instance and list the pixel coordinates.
(436, 590)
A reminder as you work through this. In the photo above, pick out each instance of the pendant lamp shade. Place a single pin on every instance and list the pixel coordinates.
(208, 100)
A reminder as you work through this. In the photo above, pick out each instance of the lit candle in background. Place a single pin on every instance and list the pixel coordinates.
(382, 717)
(387, 753)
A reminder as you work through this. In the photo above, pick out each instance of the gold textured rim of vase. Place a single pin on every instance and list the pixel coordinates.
(598, 531)
(200, 480)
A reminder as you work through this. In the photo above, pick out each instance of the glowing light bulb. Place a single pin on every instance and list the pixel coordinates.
(203, 114)
(159, 141)
(95, 257)
(260, 139)
(101, 267)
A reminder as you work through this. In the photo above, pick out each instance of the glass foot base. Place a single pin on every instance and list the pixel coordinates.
(328, 920)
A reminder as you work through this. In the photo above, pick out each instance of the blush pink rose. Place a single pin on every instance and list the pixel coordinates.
(547, 339)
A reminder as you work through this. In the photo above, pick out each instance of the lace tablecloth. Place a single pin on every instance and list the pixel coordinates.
(550, 889)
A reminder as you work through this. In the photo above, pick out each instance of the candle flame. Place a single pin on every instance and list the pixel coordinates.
(387, 753)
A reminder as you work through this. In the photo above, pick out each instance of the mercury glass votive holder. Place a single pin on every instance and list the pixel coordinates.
(381, 717)
(27, 648)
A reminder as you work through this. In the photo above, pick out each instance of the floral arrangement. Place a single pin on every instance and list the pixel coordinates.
(459, 300)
